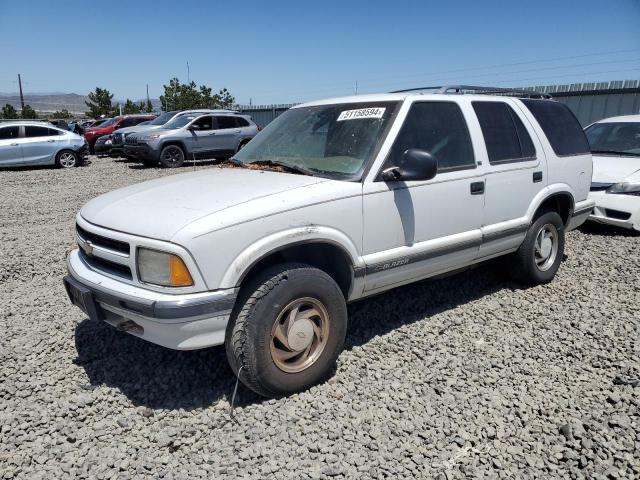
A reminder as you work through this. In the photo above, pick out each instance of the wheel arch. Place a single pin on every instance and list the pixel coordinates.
(559, 197)
(322, 247)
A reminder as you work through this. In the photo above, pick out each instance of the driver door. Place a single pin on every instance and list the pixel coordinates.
(416, 229)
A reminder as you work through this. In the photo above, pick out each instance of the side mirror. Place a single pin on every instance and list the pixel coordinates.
(415, 165)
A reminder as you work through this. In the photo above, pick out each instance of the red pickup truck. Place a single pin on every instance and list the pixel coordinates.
(108, 127)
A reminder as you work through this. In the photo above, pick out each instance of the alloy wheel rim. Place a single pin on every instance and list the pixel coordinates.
(67, 160)
(546, 247)
(173, 155)
(299, 335)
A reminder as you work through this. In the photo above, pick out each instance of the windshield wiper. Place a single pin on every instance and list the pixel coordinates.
(286, 166)
(616, 152)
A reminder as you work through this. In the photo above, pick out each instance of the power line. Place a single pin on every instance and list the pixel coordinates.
(377, 80)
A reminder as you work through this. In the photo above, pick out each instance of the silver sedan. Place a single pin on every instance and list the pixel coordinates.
(24, 143)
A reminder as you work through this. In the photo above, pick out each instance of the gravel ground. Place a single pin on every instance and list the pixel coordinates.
(466, 377)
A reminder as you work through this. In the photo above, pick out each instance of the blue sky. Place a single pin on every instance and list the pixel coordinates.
(277, 52)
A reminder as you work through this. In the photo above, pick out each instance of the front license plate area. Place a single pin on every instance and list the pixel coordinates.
(82, 297)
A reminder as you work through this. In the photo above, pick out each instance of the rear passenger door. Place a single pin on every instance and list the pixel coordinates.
(227, 134)
(415, 229)
(514, 176)
(39, 144)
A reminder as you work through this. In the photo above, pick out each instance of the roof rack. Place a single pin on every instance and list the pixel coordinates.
(469, 89)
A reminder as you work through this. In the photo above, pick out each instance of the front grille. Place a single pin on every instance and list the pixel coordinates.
(104, 242)
(131, 140)
(106, 266)
(117, 139)
(617, 214)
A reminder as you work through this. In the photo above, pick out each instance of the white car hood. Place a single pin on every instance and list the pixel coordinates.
(612, 169)
(162, 207)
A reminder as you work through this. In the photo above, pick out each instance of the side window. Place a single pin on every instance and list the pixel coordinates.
(9, 133)
(440, 129)
(203, 123)
(242, 122)
(33, 131)
(560, 126)
(226, 121)
(505, 135)
(53, 132)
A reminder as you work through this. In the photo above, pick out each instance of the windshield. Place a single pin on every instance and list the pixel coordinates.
(162, 118)
(615, 138)
(334, 141)
(107, 123)
(180, 121)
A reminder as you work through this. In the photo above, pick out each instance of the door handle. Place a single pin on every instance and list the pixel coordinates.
(50, 141)
(212, 133)
(477, 188)
(238, 131)
(13, 144)
(537, 177)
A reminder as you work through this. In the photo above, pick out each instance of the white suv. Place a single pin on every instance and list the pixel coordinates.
(334, 201)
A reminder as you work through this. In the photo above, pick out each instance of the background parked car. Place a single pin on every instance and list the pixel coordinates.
(39, 143)
(118, 138)
(108, 127)
(188, 136)
(615, 145)
(102, 146)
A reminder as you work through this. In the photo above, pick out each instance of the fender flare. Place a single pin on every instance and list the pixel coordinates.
(249, 257)
(549, 191)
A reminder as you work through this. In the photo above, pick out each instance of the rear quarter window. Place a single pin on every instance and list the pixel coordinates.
(560, 126)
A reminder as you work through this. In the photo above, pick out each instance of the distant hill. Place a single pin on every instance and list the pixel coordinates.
(50, 102)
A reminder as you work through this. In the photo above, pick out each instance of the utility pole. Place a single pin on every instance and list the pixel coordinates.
(188, 74)
(356, 87)
(21, 97)
(147, 94)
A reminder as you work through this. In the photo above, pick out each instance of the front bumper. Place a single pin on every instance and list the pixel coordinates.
(101, 148)
(141, 151)
(180, 322)
(616, 209)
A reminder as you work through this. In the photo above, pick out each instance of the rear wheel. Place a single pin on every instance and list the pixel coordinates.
(67, 159)
(288, 331)
(172, 156)
(538, 258)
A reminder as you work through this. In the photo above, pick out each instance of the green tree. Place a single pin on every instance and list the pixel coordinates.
(63, 114)
(182, 96)
(28, 112)
(99, 103)
(131, 107)
(148, 107)
(9, 112)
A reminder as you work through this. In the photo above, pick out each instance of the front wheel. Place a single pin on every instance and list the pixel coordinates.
(538, 258)
(288, 331)
(172, 156)
(67, 159)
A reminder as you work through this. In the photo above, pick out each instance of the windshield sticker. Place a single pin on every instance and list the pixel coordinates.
(361, 113)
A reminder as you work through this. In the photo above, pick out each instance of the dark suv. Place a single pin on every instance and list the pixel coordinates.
(108, 127)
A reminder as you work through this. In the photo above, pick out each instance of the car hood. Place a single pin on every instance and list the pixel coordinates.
(614, 169)
(138, 128)
(160, 208)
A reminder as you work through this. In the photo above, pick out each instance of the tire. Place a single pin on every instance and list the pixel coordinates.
(253, 345)
(241, 145)
(172, 156)
(537, 261)
(67, 159)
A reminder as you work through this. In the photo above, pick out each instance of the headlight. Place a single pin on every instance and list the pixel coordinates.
(625, 187)
(148, 137)
(162, 268)
(107, 142)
